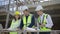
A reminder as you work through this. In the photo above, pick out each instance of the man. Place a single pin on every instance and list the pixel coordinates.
(44, 20)
(28, 19)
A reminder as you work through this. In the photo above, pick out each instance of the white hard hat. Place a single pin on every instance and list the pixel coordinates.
(24, 8)
(39, 8)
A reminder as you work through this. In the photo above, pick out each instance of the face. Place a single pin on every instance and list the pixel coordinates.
(39, 12)
(16, 16)
(26, 13)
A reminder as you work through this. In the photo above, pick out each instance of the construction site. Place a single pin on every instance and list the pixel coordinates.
(9, 7)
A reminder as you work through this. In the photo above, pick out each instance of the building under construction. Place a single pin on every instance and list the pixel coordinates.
(8, 7)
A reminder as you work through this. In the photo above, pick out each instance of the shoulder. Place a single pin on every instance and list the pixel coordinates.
(47, 15)
(32, 15)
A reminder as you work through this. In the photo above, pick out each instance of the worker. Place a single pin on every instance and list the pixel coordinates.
(28, 19)
(15, 22)
(44, 20)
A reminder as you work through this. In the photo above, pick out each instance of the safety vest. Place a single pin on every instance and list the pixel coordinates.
(44, 22)
(26, 24)
(14, 25)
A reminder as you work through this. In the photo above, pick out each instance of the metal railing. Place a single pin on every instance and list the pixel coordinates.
(24, 32)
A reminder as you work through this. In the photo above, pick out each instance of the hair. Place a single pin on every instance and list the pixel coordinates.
(18, 18)
(41, 10)
(26, 9)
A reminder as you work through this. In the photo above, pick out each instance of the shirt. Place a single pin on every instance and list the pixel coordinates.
(48, 20)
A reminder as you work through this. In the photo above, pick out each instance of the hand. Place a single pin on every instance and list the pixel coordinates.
(18, 29)
(42, 25)
(36, 28)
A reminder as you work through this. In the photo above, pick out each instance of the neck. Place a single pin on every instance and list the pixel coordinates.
(27, 15)
(41, 14)
(16, 18)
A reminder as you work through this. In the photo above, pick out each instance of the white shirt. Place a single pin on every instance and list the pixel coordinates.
(48, 20)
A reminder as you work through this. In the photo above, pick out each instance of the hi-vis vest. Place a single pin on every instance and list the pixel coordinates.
(14, 25)
(44, 22)
(26, 24)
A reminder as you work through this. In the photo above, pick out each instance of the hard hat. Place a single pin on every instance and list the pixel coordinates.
(39, 8)
(24, 8)
(17, 13)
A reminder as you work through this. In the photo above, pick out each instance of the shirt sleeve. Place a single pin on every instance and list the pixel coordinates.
(32, 22)
(49, 22)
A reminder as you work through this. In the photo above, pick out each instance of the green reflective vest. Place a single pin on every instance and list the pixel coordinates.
(44, 22)
(26, 24)
(14, 25)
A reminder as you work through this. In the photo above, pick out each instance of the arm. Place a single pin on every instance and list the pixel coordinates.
(49, 22)
(11, 24)
(32, 22)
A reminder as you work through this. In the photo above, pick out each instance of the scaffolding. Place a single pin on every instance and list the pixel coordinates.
(20, 31)
(17, 3)
(12, 5)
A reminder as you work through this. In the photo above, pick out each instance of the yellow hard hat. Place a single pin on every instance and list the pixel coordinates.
(17, 13)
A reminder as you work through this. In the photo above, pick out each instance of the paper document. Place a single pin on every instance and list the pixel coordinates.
(31, 29)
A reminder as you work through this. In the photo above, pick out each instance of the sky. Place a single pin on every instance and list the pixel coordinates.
(5, 2)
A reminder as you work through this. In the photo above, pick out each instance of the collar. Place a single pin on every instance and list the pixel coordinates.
(42, 14)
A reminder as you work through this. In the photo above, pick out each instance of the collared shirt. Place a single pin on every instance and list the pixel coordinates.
(48, 20)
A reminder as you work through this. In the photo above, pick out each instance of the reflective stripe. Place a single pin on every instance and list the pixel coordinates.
(28, 20)
(39, 21)
(44, 22)
(13, 32)
(44, 19)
